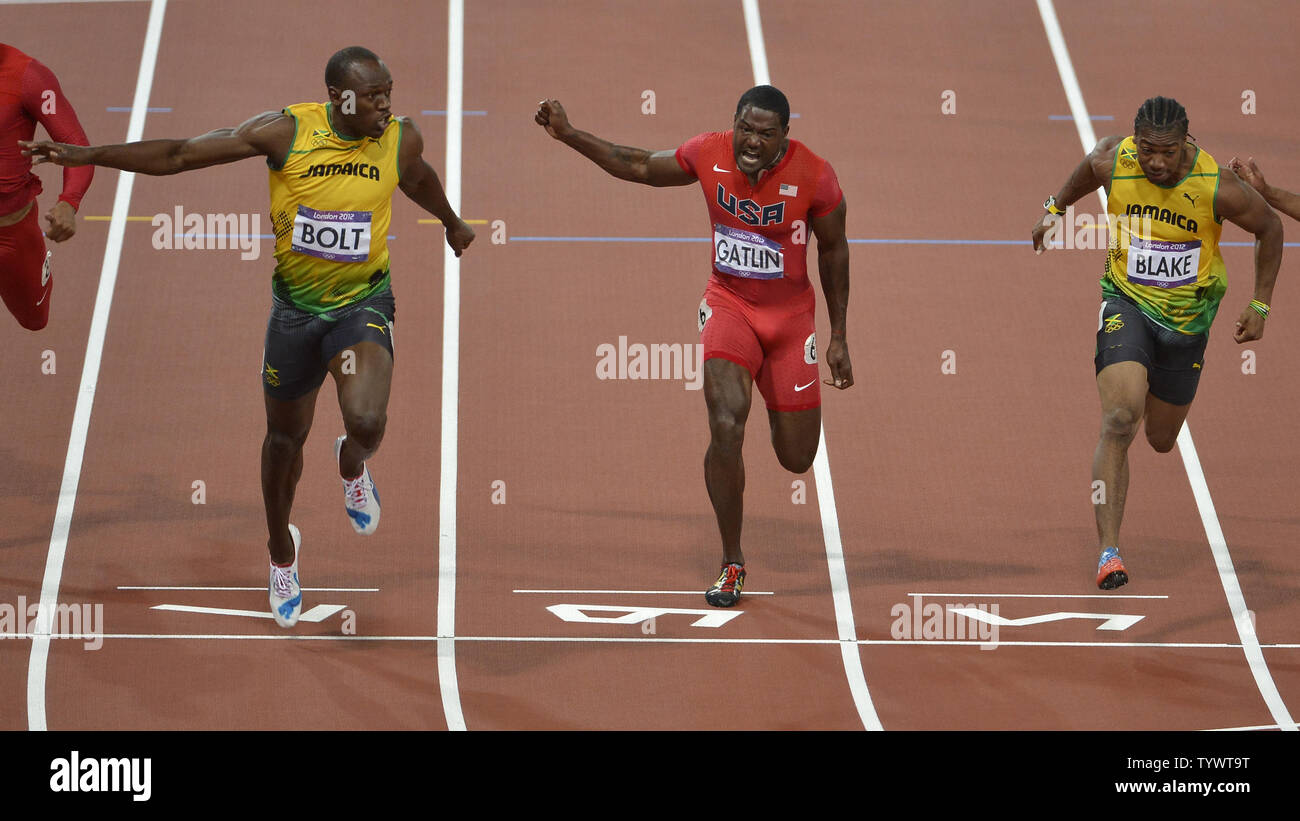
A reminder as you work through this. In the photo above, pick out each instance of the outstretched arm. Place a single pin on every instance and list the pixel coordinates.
(833, 265)
(1242, 205)
(420, 183)
(269, 134)
(657, 168)
(1285, 201)
(1088, 176)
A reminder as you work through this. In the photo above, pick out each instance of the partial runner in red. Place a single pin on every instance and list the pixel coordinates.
(30, 93)
(765, 194)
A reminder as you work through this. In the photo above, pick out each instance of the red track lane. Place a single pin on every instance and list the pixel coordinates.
(604, 478)
(1243, 424)
(180, 401)
(977, 482)
(38, 407)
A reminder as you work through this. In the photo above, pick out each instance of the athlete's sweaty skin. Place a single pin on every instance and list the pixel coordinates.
(360, 107)
(1165, 156)
(759, 142)
(1288, 202)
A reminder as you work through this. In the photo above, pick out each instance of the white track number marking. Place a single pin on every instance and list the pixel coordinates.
(577, 614)
(1109, 621)
(317, 614)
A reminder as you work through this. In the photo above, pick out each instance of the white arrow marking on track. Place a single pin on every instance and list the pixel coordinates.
(319, 613)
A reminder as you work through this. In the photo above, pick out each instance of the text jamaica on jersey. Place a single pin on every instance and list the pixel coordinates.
(347, 169)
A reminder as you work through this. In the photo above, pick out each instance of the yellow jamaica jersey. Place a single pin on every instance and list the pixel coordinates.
(331, 203)
(1164, 242)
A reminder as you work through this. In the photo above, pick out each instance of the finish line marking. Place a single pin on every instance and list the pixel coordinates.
(642, 592)
(288, 636)
(1256, 727)
(249, 589)
(864, 241)
(1032, 596)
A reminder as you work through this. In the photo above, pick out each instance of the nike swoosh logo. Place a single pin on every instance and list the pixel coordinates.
(723, 170)
(809, 385)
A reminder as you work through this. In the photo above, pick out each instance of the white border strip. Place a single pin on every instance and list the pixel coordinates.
(447, 681)
(975, 643)
(36, 666)
(1195, 475)
(848, 636)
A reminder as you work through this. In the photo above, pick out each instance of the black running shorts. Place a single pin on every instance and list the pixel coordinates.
(300, 345)
(1173, 360)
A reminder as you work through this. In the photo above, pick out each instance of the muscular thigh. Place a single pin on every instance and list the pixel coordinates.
(788, 378)
(25, 273)
(359, 349)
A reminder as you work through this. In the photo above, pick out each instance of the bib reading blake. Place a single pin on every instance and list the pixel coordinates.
(745, 254)
(1163, 264)
(1163, 253)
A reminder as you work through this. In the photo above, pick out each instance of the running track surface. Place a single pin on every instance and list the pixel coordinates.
(970, 486)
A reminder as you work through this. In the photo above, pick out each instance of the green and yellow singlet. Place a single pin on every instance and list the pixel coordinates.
(331, 203)
(1164, 242)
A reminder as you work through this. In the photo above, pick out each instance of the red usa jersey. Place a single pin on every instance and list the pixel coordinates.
(29, 93)
(761, 232)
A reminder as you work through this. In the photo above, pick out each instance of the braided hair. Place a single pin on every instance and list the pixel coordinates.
(1161, 114)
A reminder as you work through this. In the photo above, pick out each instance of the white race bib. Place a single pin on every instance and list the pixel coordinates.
(1163, 264)
(338, 236)
(747, 254)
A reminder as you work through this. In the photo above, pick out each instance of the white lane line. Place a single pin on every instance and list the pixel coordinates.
(1241, 616)
(36, 665)
(644, 592)
(822, 473)
(258, 589)
(290, 636)
(1031, 596)
(1195, 475)
(848, 636)
(1255, 727)
(757, 49)
(447, 681)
